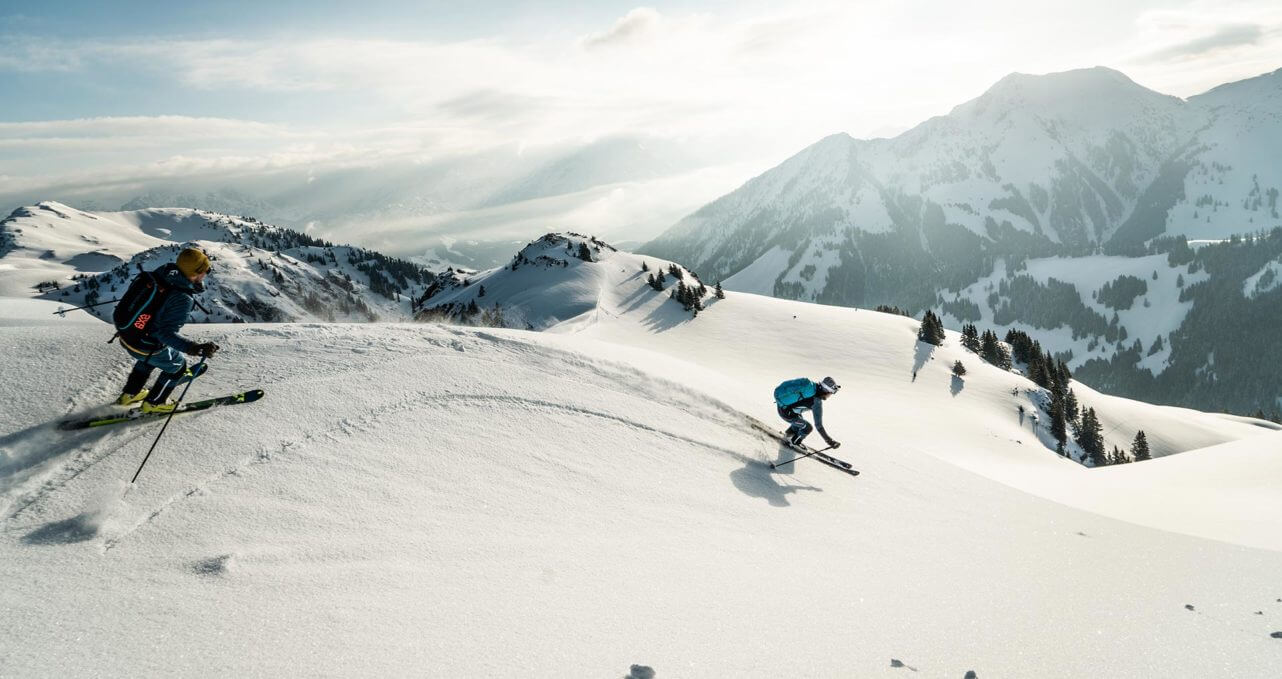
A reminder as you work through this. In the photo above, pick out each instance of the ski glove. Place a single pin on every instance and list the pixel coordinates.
(205, 350)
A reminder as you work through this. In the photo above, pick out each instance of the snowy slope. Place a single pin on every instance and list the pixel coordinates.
(438, 501)
(973, 422)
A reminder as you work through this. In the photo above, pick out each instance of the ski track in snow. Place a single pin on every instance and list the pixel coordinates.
(551, 362)
(354, 426)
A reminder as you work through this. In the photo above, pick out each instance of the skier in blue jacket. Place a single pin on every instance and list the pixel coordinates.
(797, 396)
(148, 318)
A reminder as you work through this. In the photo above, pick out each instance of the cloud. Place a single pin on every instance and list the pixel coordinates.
(759, 83)
(491, 105)
(1224, 37)
(635, 24)
(27, 55)
(139, 126)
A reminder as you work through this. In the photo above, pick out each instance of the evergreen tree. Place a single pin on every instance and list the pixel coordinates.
(970, 337)
(1071, 409)
(958, 368)
(645, 266)
(721, 294)
(659, 280)
(1058, 423)
(1038, 372)
(1139, 447)
(1003, 356)
(931, 330)
(1091, 439)
(988, 347)
(481, 292)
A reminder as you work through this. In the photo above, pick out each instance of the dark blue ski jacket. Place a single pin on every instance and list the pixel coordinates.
(172, 314)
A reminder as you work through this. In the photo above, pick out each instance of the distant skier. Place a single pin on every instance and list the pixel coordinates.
(799, 395)
(148, 318)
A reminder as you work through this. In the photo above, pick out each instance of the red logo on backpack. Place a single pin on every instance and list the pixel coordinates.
(142, 321)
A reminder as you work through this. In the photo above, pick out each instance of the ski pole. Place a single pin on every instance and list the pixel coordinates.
(60, 312)
(196, 371)
(776, 466)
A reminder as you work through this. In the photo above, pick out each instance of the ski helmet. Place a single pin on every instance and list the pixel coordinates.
(829, 385)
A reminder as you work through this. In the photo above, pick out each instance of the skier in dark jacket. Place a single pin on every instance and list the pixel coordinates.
(797, 396)
(148, 319)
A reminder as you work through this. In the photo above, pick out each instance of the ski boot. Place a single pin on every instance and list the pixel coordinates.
(149, 408)
(130, 399)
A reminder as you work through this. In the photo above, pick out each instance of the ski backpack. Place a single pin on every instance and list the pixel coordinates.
(139, 304)
(793, 391)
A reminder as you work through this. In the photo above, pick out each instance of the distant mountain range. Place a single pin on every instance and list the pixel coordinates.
(261, 272)
(1060, 166)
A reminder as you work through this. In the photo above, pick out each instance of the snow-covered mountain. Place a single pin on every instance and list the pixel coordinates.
(1054, 169)
(560, 280)
(427, 499)
(1078, 159)
(1231, 176)
(261, 272)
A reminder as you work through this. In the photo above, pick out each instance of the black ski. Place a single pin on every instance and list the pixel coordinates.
(825, 458)
(138, 416)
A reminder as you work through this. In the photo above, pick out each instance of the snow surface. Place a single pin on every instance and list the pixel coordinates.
(443, 501)
(759, 277)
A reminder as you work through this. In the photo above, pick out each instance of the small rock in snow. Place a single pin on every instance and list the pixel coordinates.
(214, 565)
(640, 672)
(970, 674)
(1188, 607)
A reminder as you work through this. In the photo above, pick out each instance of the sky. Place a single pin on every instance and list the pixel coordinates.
(127, 94)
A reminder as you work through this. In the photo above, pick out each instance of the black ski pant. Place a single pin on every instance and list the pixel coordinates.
(798, 427)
